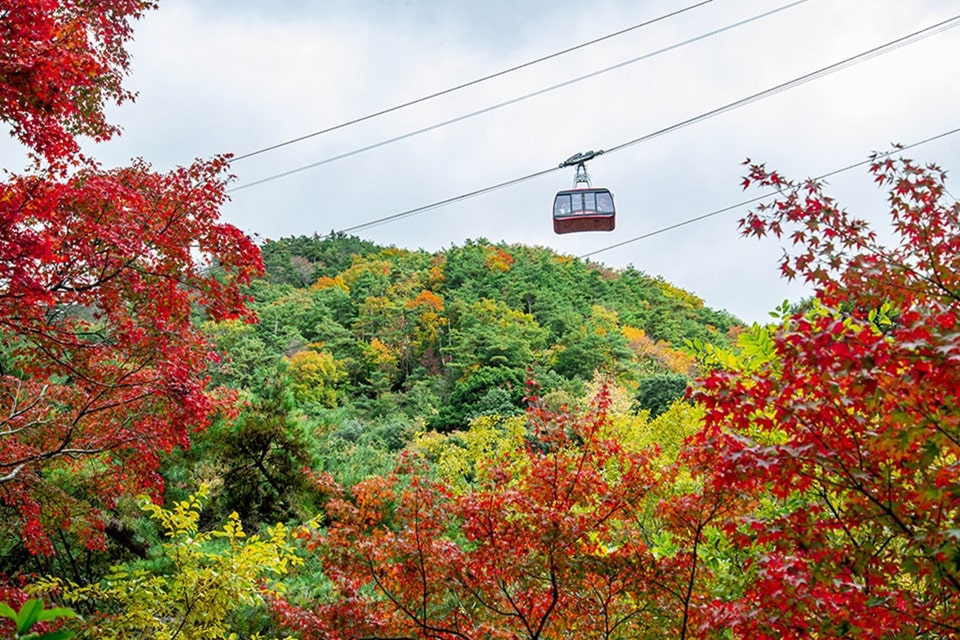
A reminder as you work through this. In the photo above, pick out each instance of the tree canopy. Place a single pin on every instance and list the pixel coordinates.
(102, 368)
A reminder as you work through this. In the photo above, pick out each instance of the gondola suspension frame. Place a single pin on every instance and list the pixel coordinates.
(583, 208)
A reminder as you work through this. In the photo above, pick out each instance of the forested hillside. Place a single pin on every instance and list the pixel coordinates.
(454, 334)
(362, 346)
(360, 352)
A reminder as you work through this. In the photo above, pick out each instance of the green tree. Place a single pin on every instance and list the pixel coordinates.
(300, 260)
(658, 392)
(491, 346)
(599, 344)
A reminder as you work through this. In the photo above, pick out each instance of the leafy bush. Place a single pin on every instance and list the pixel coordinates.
(659, 391)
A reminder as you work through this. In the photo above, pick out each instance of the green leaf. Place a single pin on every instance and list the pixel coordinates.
(29, 614)
(56, 612)
(7, 612)
(61, 634)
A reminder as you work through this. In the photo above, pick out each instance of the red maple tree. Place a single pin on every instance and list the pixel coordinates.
(60, 62)
(850, 436)
(101, 274)
(553, 539)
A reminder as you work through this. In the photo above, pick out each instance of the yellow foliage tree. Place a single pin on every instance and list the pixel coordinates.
(498, 260)
(383, 364)
(315, 376)
(620, 396)
(460, 459)
(660, 352)
(204, 578)
(427, 310)
(326, 282)
(681, 295)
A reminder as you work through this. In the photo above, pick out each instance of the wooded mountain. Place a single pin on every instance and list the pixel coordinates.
(450, 335)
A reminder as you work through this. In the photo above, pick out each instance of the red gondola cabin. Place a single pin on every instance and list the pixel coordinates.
(583, 210)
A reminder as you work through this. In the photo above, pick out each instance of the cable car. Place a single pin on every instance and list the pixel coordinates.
(583, 208)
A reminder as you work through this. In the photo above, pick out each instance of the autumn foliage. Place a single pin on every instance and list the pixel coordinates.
(548, 538)
(817, 496)
(61, 61)
(101, 273)
(850, 434)
(808, 486)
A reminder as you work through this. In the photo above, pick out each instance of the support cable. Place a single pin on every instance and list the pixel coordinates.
(470, 83)
(764, 196)
(472, 114)
(847, 62)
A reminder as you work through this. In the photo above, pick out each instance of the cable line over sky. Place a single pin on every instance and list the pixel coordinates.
(819, 73)
(470, 83)
(512, 101)
(823, 71)
(764, 196)
(443, 203)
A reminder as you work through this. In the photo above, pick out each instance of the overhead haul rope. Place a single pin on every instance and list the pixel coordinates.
(472, 114)
(766, 195)
(819, 73)
(470, 83)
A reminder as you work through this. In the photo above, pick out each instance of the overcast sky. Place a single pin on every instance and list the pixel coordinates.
(236, 76)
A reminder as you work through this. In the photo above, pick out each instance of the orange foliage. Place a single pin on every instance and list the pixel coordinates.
(326, 282)
(498, 260)
(659, 351)
(426, 299)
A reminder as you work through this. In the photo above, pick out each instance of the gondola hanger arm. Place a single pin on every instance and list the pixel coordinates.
(580, 158)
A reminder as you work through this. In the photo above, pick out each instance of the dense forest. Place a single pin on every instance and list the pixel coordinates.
(451, 335)
(324, 438)
(359, 353)
(359, 348)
